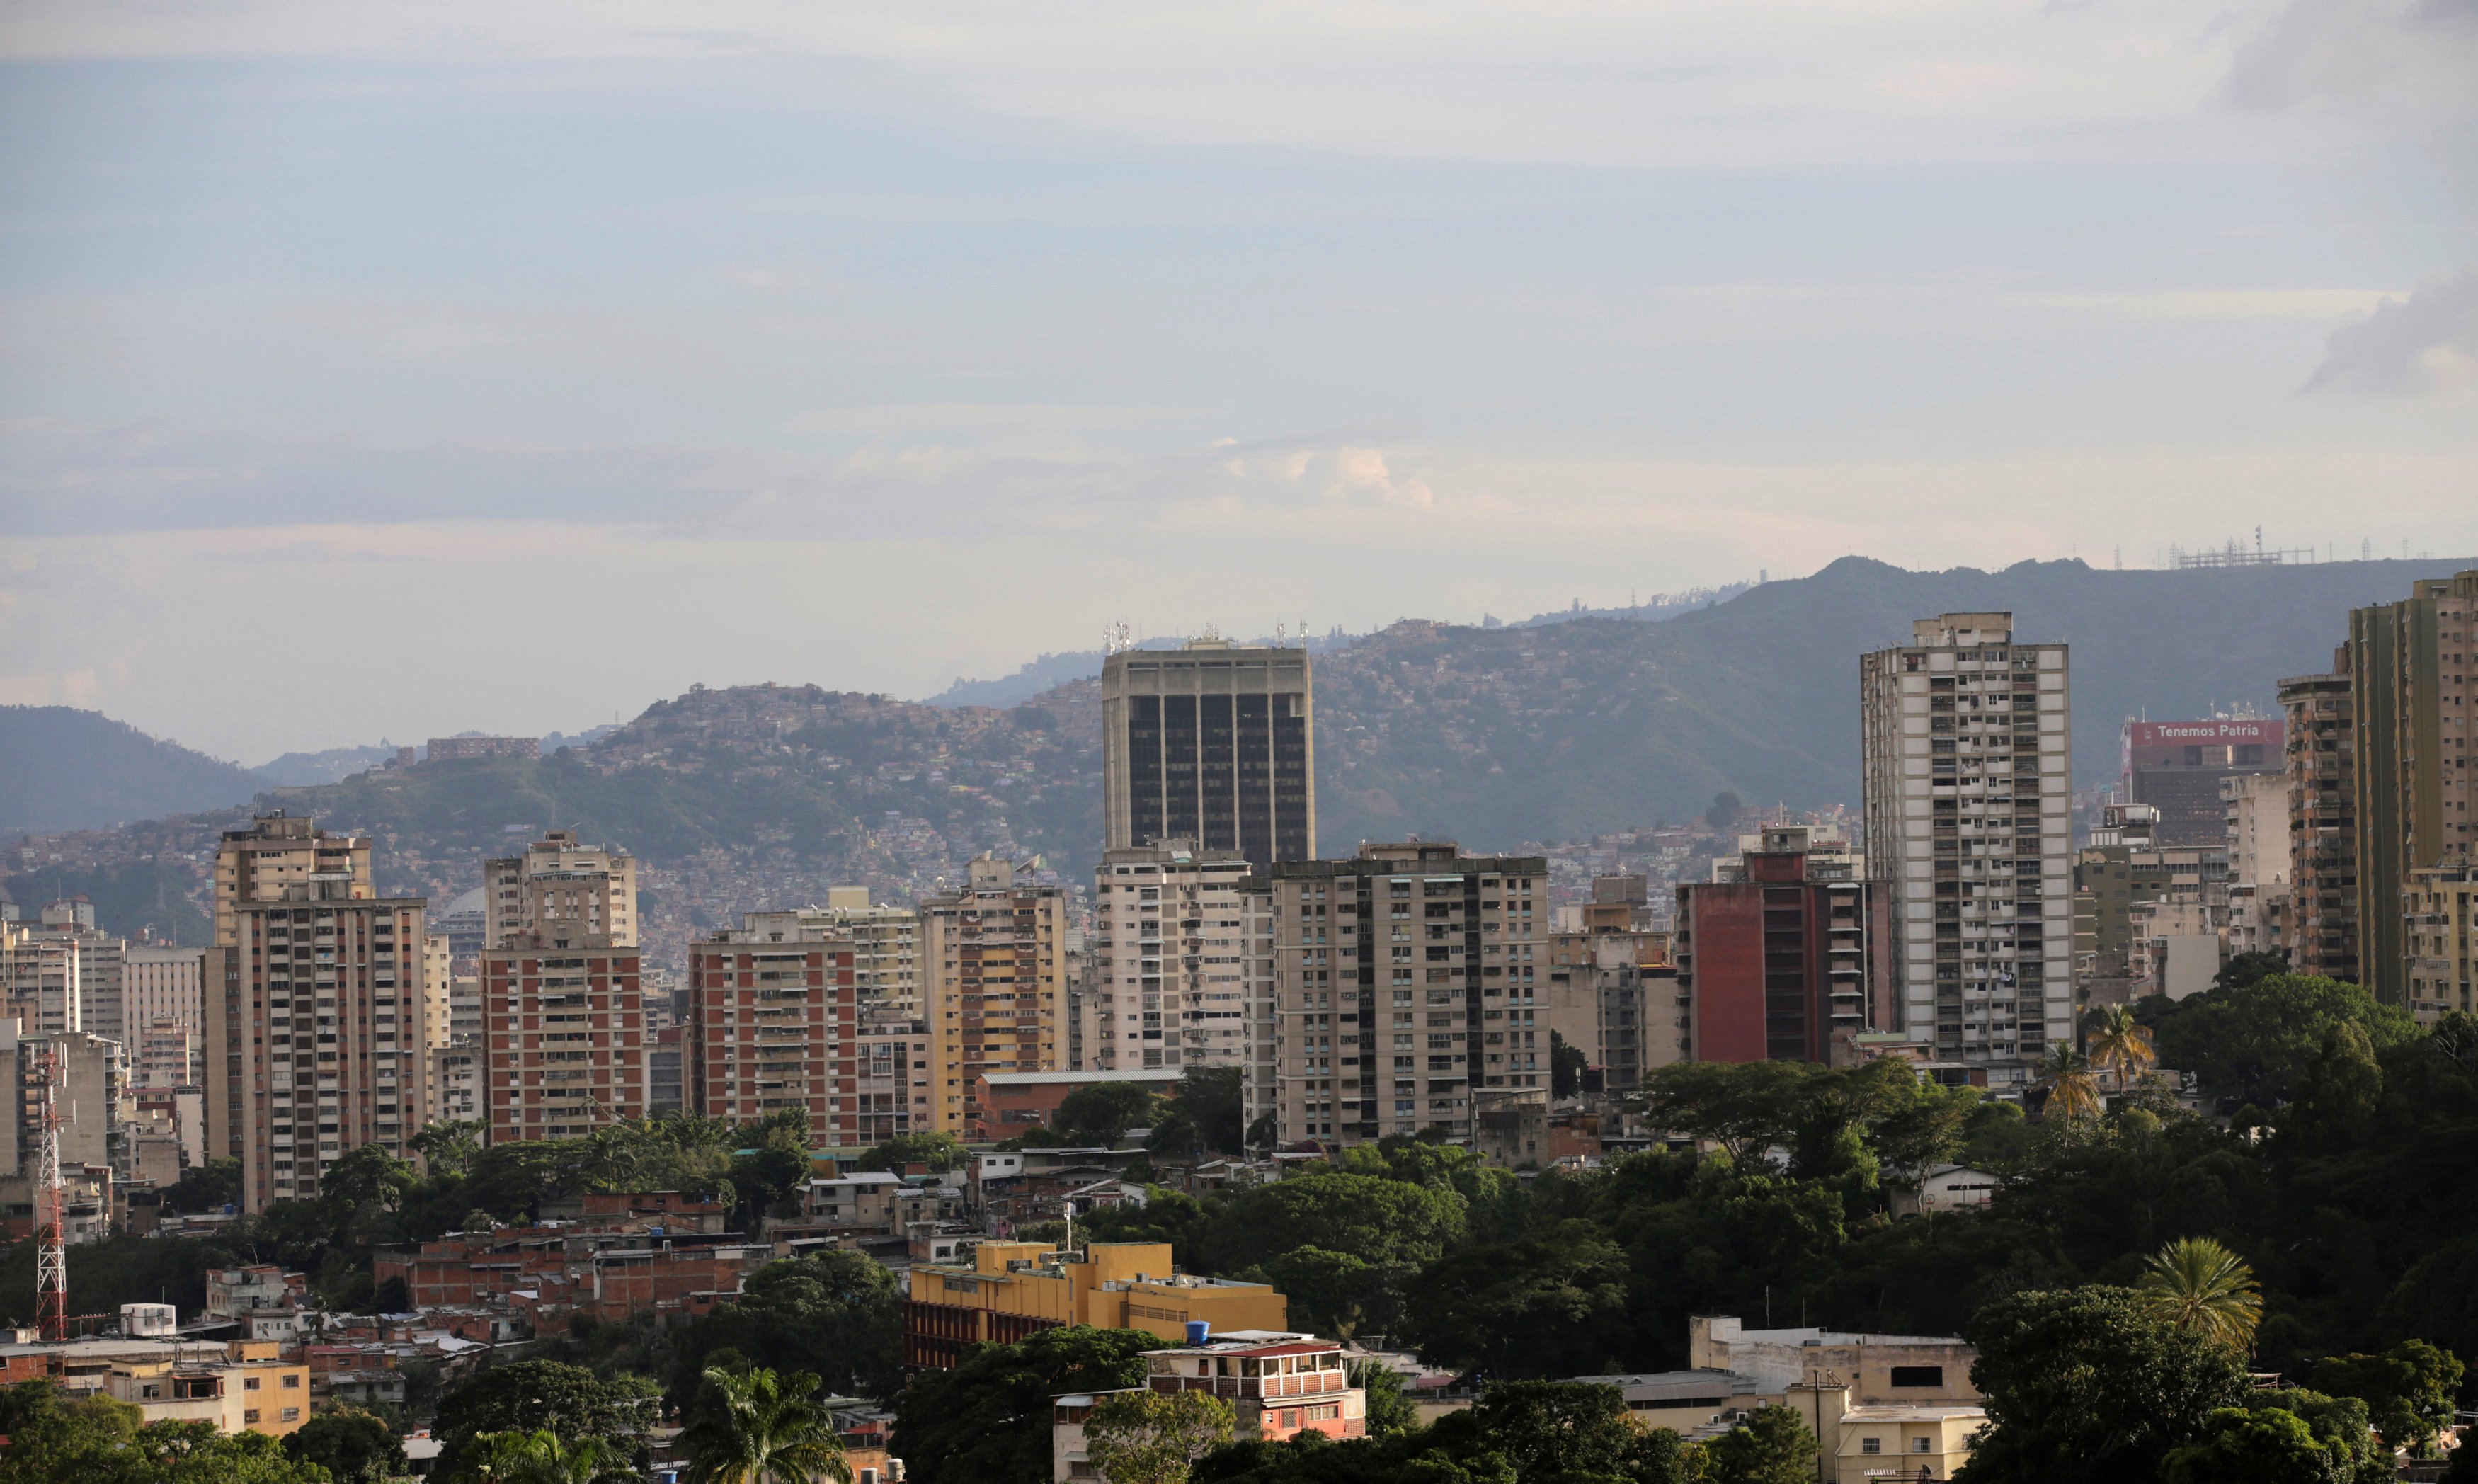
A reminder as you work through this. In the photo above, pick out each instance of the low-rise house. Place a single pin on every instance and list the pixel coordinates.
(1871, 1444)
(240, 1386)
(1946, 1188)
(1278, 1384)
(233, 1292)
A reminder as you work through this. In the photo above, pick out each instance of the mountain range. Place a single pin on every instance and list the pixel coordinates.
(1494, 736)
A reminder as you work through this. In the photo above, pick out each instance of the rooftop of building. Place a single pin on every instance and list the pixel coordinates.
(1008, 1079)
(1915, 1412)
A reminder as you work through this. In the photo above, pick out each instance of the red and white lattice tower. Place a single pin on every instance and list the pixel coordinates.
(51, 1208)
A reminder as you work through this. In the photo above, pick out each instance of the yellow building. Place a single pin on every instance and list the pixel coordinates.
(242, 1387)
(1014, 1289)
(993, 982)
(2441, 914)
(1904, 1442)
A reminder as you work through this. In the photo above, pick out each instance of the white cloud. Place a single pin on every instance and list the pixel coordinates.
(2425, 342)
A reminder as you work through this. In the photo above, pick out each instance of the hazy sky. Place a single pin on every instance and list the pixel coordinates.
(403, 367)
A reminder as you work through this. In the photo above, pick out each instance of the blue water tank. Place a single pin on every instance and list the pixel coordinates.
(1197, 1330)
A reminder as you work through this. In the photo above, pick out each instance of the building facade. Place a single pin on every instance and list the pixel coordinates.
(1168, 986)
(161, 983)
(773, 1024)
(565, 1031)
(1785, 954)
(2414, 714)
(1402, 981)
(993, 980)
(1213, 743)
(2321, 753)
(2442, 918)
(585, 889)
(1966, 752)
(2178, 767)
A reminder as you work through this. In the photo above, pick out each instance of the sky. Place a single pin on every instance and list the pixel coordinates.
(410, 366)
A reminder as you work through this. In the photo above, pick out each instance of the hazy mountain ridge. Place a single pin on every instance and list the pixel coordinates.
(65, 768)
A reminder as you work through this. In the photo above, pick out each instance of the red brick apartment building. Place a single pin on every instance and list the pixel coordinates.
(773, 1024)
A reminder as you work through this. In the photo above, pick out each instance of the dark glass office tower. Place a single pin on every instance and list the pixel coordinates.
(1212, 744)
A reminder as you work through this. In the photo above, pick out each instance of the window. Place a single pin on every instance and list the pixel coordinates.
(1919, 1375)
(249, 1383)
(1921, 1445)
(1871, 1445)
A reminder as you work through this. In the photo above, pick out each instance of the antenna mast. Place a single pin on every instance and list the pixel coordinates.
(51, 1217)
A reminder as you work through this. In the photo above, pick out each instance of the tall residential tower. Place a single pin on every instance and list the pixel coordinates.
(1967, 753)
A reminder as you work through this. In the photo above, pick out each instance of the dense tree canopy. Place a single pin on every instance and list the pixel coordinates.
(987, 1420)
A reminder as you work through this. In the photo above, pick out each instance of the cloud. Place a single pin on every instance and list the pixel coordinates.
(2424, 342)
(2399, 56)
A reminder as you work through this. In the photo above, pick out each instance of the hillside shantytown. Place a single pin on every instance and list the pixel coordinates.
(1997, 1127)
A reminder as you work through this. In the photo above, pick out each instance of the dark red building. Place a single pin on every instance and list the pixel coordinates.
(1787, 952)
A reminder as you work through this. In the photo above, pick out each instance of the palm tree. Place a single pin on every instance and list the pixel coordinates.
(2201, 1287)
(762, 1428)
(2071, 1090)
(541, 1458)
(2122, 1043)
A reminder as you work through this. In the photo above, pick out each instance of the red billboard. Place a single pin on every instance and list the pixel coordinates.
(2209, 743)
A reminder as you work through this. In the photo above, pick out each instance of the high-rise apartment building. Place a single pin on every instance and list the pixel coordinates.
(892, 1075)
(1403, 982)
(2178, 766)
(438, 985)
(91, 1088)
(2413, 664)
(773, 1021)
(885, 943)
(592, 889)
(1213, 744)
(161, 983)
(1613, 992)
(1169, 980)
(994, 984)
(39, 973)
(564, 1029)
(2443, 926)
(100, 958)
(563, 1005)
(315, 1044)
(1786, 954)
(275, 853)
(2321, 753)
(1966, 751)
(2255, 811)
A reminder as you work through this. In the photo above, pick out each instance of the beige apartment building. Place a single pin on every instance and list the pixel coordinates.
(2412, 664)
(885, 943)
(1967, 761)
(587, 889)
(1403, 982)
(315, 1041)
(161, 983)
(994, 982)
(2321, 755)
(2256, 807)
(2442, 907)
(1168, 980)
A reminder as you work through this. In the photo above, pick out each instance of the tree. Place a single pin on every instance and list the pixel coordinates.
(1377, 1220)
(1210, 1098)
(448, 1145)
(2346, 1085)
(1336, 1293)
(2081, 1384)
(836, 1314)
(2258, 1044)
(1388, 1405)
(1771, 1446)
(2121, 1044)
(2251, 967)
(1566, 1064)
(2072, 1094)
(536, 1396)
(350, 1444)
(1101, 1113)
(2199, 1287)
(205, 1188)
(986, 1419)
(936, 1152)
(370, 1176)
(761, 1427)
(1724, 811)
(542, 1457)
(1746, 1108)
(1560, 1432)
(767, 1175)
(92, 1438)
(1150, 1437)
(2408, 1390)
(1550, 1305)
(2271, 1443)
